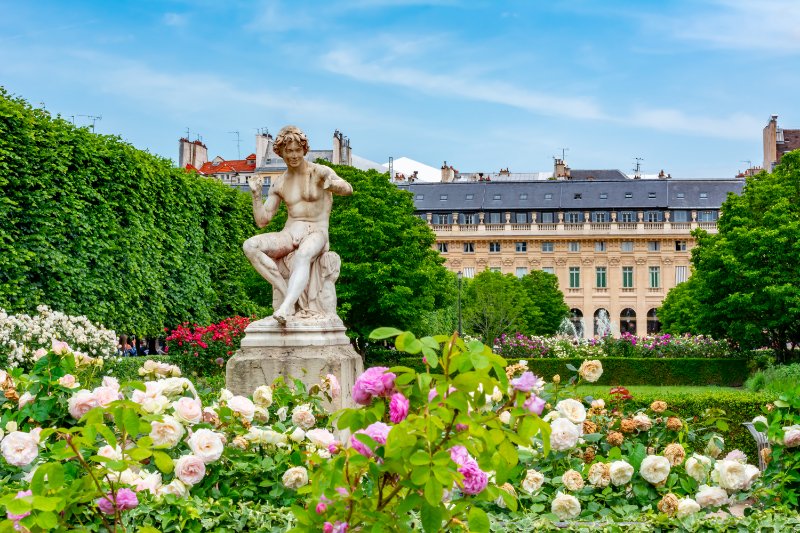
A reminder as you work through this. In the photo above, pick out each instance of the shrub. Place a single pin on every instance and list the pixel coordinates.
(775, 379)
(204, 350)
(784, 436)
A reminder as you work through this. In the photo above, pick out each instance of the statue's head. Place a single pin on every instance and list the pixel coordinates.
(287, 135)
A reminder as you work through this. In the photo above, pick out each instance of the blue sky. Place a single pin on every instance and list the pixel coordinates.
(685, 85)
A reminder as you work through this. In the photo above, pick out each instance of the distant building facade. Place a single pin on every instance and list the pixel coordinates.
(778, 141)
(616, 244)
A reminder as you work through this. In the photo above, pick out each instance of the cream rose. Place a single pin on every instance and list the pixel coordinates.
(225, 395)
(81, 403)
(68, 381)
(149, 481)
(572, 480)
(505, 417)
(655, 469)
(207, 445)
(791, 436)
(715, 446)
(262, 396)
(106, 395)
(643, 422)
(188, 410)
(190, 469)
(156, 405)
(176, 386)
(599, 475)
(266, 436)
(533, 481)
(686, 507)
(565, 506)
(295, 477)
(303, 417)
(563, 434)
(598, 404)
(25, 399)
(697, 466)
(711, 496)
(591, 370)
(731, 475)
(573, 410)
(20, 449)
(297, 435)
(111, 382)
(167, 433)
(621, 473)
(176, 487)
(243, 406)
(110, 452)
(320, 437)
(282, 413)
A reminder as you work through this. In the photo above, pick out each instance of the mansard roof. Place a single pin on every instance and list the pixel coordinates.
(605, 191)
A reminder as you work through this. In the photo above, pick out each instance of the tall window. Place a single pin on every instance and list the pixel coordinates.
(707, 216)
(653, 324)
(494, 247)
(680, 216)
(574, 246)
(600, 277)
(600, 216)
(654, 216)
(680, 274)
(574, 277)
(469, 218)
(469, 272)
(469, 248)
(626, 216)
(521, 218)
(653, 246)
(547, 246)
(547, 218)
(655, 277)
(627, 321)
(442, 247)
(627, 277)
(600, 246)
(549, 270)
(494, 217)
(439, 218)
(680, 246)
(521, 271)
(522, 247)
(573, 217)
(626, 246)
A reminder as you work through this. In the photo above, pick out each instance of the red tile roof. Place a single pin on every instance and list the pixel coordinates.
(229, 167)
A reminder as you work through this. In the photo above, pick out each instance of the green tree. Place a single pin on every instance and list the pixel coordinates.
(679, 311)
(494, 304)
(547, 308)
(747, 275)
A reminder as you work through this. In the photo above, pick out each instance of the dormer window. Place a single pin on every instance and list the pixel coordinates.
(523, 196)
(651, 195)
(443, 197)
(548, 196)
(628, 195)
(704, 196)
(470, 196)
(604, 196)
(497, 196)
(578, 196)
(420, 197)
(680, 196)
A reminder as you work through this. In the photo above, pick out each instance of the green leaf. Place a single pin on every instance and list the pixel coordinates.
(722, 425)
(47, 521)
(130, 421)
(138, 454)
(433, 491)
(163, 461)
(478, 520)
(403, 340)
(420, 475)
(570, 367)
(431, 516)
(43, 503)
(384, 333)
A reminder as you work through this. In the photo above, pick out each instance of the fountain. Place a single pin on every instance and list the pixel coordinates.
(602, 324)
(567, 329)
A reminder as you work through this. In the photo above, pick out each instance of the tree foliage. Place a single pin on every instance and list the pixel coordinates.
(745, 281)
(90, 225)
(548, 308)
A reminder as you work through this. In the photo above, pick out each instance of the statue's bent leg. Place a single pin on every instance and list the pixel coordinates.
(258, 250)
(310, 248)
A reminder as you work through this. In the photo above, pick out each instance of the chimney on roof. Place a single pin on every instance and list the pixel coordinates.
(448, 173)
(560, 169)
(192, 153)
(341, 149)
(264, 148)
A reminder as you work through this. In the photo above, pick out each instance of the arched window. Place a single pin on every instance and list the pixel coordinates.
(627, 321)
(576, 317)
(602, 323)
(653, 325)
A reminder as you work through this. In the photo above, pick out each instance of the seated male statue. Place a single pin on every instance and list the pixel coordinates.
(307, 190)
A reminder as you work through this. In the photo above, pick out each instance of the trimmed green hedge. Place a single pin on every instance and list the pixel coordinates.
(616, 370)
(127, 368)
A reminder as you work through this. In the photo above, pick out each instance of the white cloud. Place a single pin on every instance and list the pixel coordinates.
(736, 126)
(174, 19)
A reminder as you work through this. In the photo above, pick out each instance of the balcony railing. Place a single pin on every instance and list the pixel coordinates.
(520, 227)
(495, 227)
(468, 227)
(548, 227)
(627, 226)
(653, 225)
(601, 226)
(708, 225)
(442, 227)
(571, 228)
(681, 225)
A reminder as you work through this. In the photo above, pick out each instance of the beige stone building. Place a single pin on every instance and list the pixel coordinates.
(617, 244)
(778, 141)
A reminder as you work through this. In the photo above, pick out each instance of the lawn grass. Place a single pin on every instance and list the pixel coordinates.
(601, 391)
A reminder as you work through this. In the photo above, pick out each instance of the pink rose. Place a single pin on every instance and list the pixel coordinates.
(190, 469)
(68, 381)
(375, 381)
(188, 410)
(243, 406)
(106, 395)
(398, 408)
(18, 517)
(126, 499)
(81, 403)
(336, 389)
(534, 404)
(377, 431)
(59, 347)
(111, 382)
(527, 382)
(475, 479)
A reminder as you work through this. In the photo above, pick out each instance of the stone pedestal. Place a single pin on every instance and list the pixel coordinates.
(304, 349)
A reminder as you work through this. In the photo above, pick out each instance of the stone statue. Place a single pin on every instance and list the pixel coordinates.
(296, 260)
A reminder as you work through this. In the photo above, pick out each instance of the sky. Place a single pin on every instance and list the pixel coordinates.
(687, 86)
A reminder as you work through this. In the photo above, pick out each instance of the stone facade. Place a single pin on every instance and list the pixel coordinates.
(778, 141)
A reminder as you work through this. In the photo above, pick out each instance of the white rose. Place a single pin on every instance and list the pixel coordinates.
(643, 422)
(295, 477)
(67, 381)
(109, 452)
(591, 370)
(190, 469)
(151, 390)
(751, 473)
(110, 382)
(505, 417)
(149, 481)
(621, 473)
(303, 417)
(106, 395)
(320, 437)
(731, 475)
(497, 395)
(225, 395)
(262, 396)
(261, 414)
(81, 403)
(533, 481)
(599, 475)
(711, 496)
(715, 446)
(168, 432)
(20, 449)
(176, 487)
(298, 435)
(572, 480)
(282, 412)
(176, 386)
(155, 406)
(243, 406)
(563, 434)
(686, 507)
(25, 399)
(552, 415)
(206, 444)
(188, 410)
(565, 506)
(572, 409)
(791, 436)
(655, 469)
(598, 404)
(697, 466)
(266, 436)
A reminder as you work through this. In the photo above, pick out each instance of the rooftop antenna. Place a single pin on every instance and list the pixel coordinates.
(187, 133)
(749, 163)
(238, 144)
(564, 154)
(637, 172)
(93, 118)
(391, 168)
